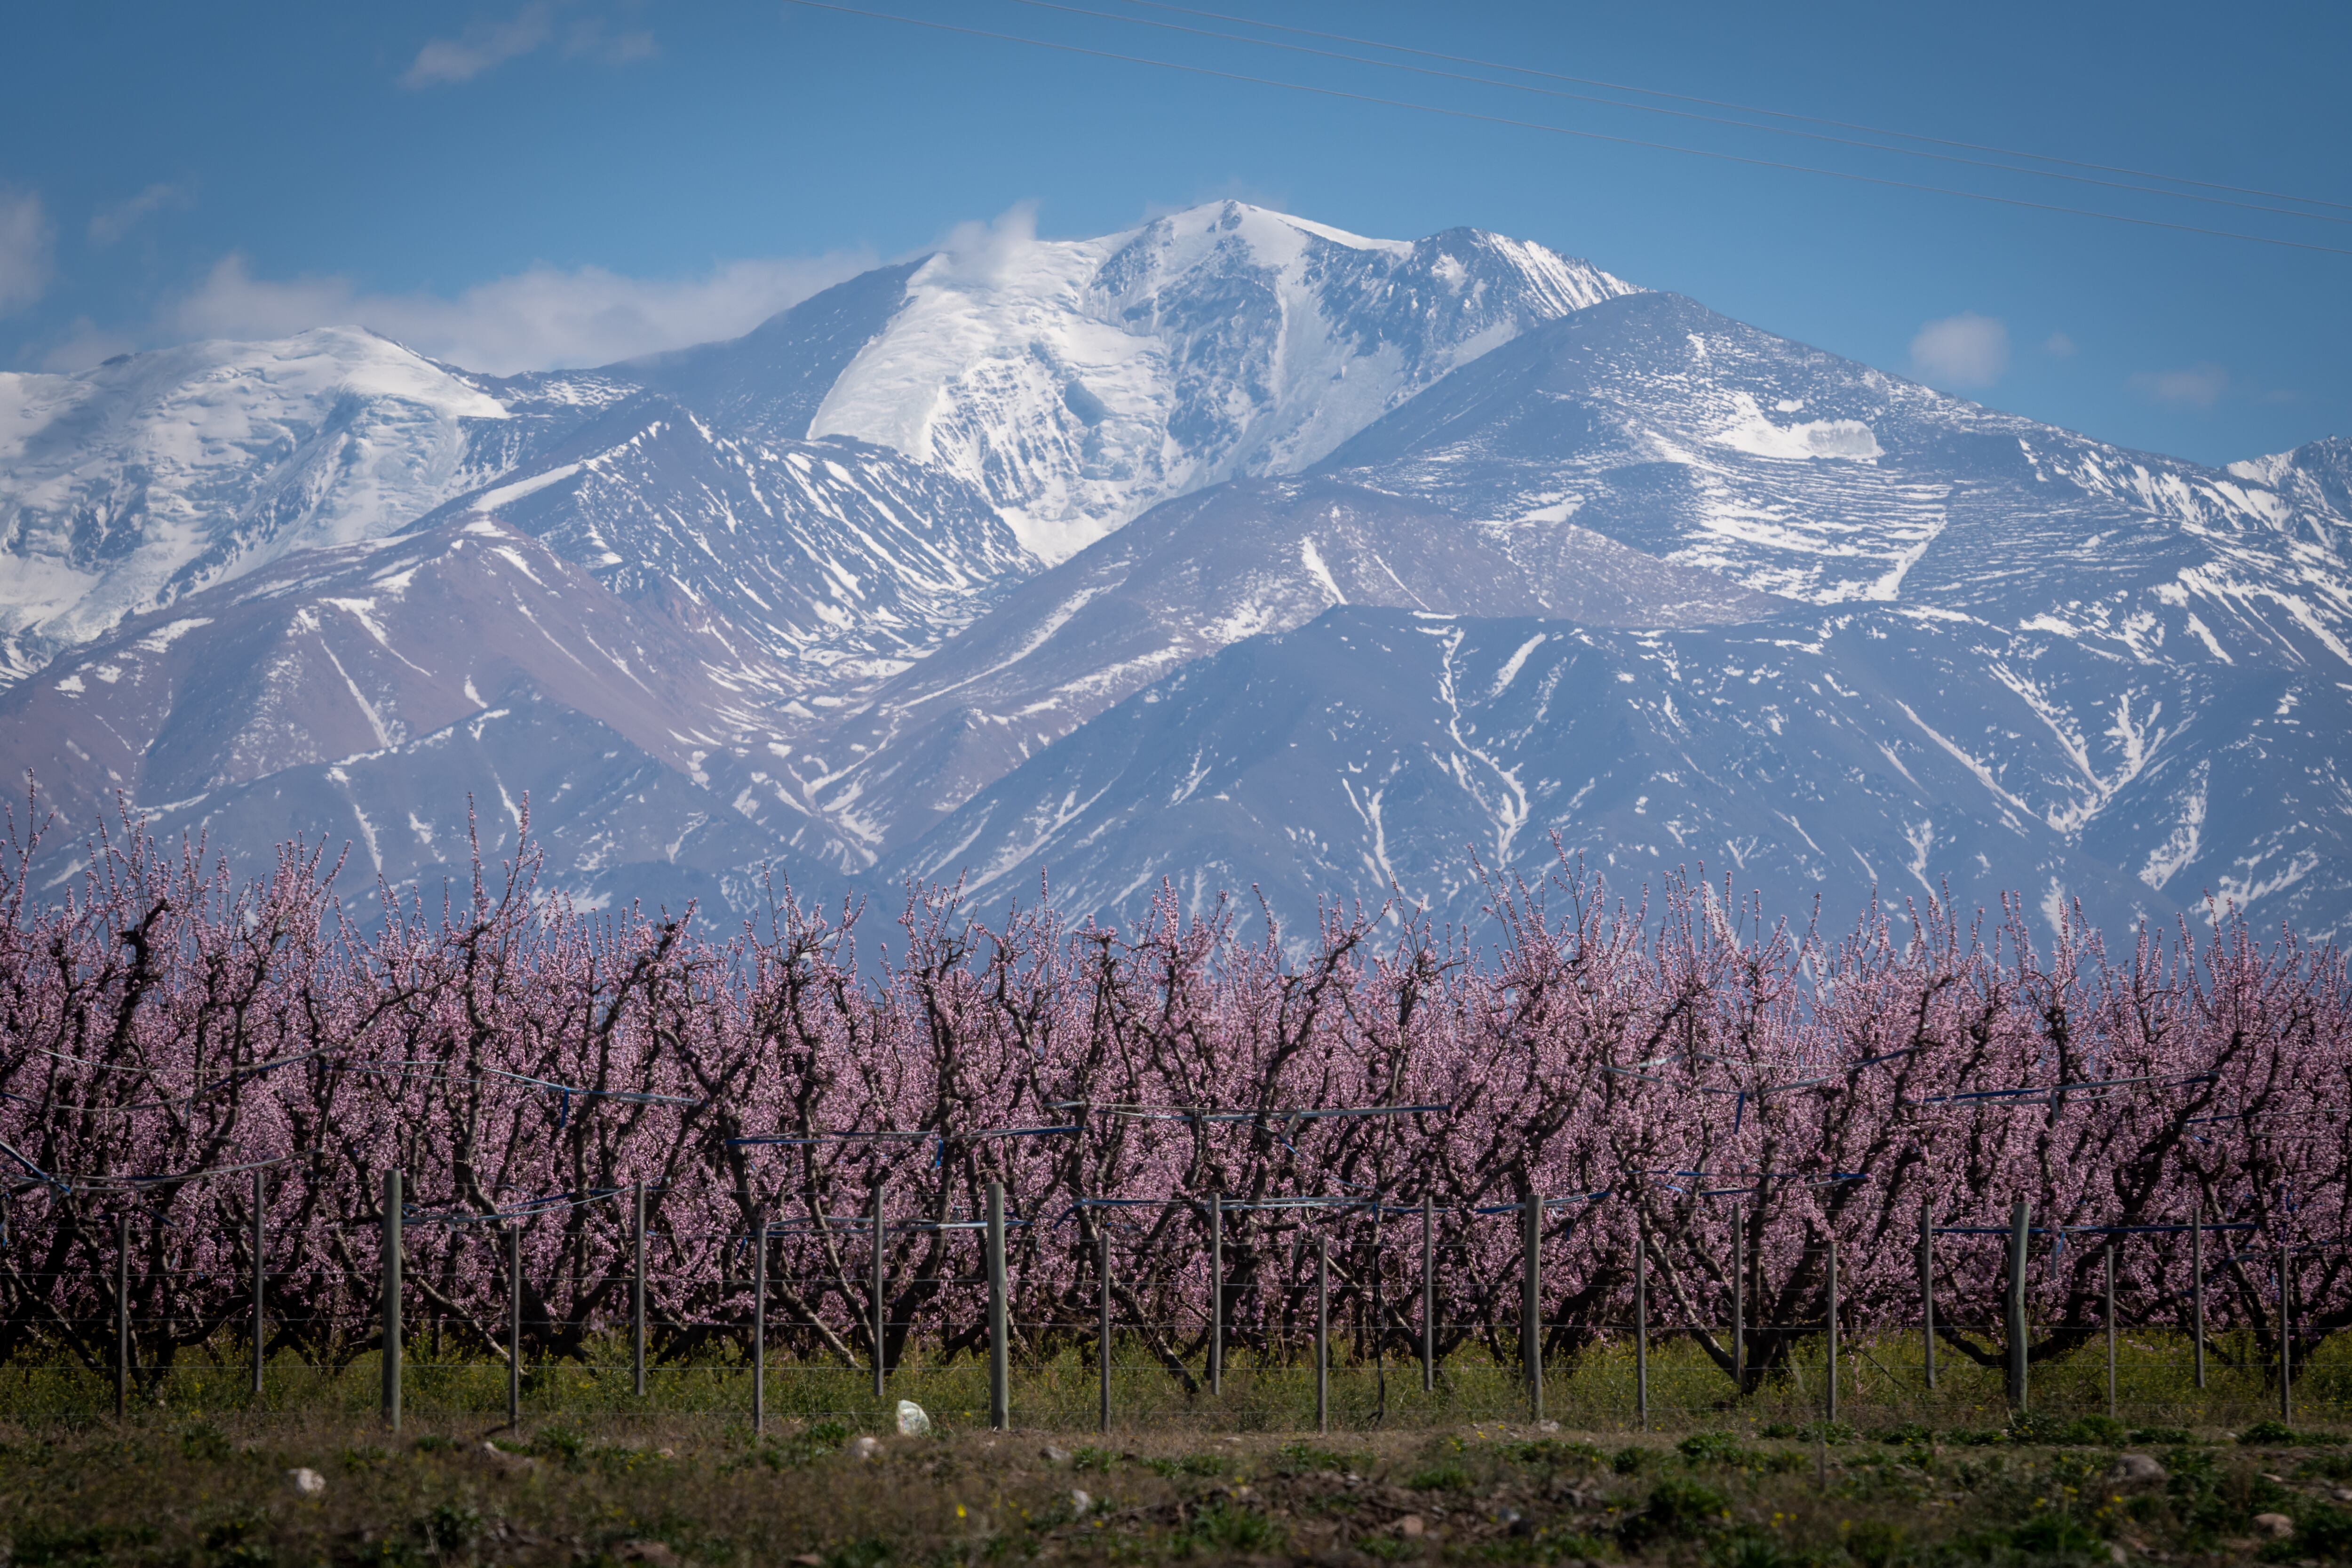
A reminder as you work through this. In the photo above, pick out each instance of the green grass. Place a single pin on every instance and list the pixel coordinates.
(678, 1490)
(1881, 1389)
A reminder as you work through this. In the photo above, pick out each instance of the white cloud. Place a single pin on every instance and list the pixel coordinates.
(86, 343)
(110, 223)
(483, 45)
(2058, 346)
(987, 253)
(487, 44)
(543, 318)
(25, 245)
(1965, 350)
(2199, 386)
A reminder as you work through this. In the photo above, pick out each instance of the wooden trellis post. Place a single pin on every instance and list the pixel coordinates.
(1217, 1293)
(2021, 1214)
(881, 1308)
(1927, 1289)
(392, 1216)
(2197, 1285)
(1531, 1302)
(260, 1284)
(2286, 1332)
(514, 1324)
(1322, 1334)
(759, 1322)
(1102, 1359)
(637, 1292)
(1830, 1412)
(1428, 1294)
(1000, 1348)
(1739, 1307)
(1642, 1320)
(123, 1315)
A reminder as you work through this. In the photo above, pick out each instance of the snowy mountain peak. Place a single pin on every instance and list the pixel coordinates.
(2316, 476)
(1078, 383)
(126, 485)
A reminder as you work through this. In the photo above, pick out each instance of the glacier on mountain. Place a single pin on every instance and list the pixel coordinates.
(1076, 383)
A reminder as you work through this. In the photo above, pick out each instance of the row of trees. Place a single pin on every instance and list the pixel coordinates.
(163, 1033)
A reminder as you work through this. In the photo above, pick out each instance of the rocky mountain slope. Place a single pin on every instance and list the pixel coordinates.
(1233, 549)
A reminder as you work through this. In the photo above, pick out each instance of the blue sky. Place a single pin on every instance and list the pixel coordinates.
(518, 185)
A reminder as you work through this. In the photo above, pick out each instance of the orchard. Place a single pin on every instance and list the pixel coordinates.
(1685, 1068)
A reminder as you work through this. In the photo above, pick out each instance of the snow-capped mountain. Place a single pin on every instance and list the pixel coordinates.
(2037, 663)
(1078, 383)
(1816, 753)
(364, 694)
(2316, 477)
(125, 486)
(832, 564)
(1232, 549)
(1666, 427)
(1187, 578)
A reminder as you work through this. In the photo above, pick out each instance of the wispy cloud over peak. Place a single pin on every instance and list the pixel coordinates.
(116, 220)
(25, 243)
(2199, 386)
(540, 318)
(1963, 351)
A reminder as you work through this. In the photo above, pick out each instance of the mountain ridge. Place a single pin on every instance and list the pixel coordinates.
(1180, 541)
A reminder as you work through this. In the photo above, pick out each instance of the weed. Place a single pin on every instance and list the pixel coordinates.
(234, 1542)
(1750, 1549)
(2161, 1435)
(1304, 1459)
(449, 1527)
(1553, 1452)
(2269, 1434)
(1221, 1526)
(1711, 1448)
(2056, 1535)
(1633, 1459)
(1676, 1509)
(1442, 1478)
(1908, 1432)
(1877, 1543)
(804, 1448)
(560, 1443)
(436, 1443)
(204, 1442)
(2323, 1531)
(73, 1546)
(2091, 1432)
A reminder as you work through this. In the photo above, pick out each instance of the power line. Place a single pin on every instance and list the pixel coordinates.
(1745, 109)
(1654, 108)
(1342, 94)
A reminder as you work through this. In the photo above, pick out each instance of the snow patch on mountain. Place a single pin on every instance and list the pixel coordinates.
(127, 485)
(1078, 383)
